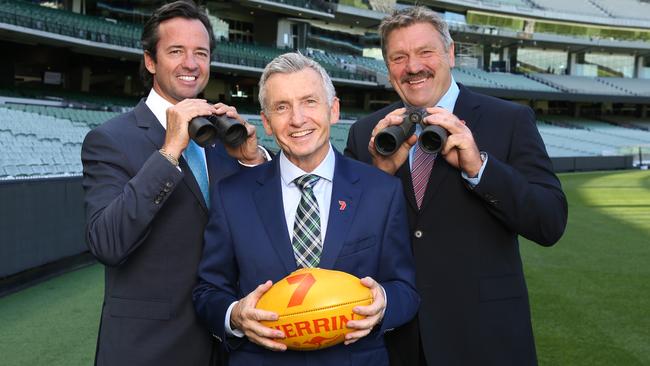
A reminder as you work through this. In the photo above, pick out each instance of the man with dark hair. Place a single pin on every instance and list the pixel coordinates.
(151, 35)
(467, 204)
(147, 199)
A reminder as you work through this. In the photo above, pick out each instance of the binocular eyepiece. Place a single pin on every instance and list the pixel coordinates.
(431, 140)
(203, 130)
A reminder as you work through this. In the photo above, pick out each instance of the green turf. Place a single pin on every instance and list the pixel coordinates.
(54, 323)
(590, 293)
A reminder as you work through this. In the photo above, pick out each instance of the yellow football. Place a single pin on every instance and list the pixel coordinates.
(314, 306)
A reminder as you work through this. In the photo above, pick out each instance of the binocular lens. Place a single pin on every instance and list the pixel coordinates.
(385, 143)
(235, 135)
(388, 140)
(202, 131)
(432, 139)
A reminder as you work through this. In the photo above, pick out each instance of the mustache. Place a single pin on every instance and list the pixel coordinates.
(419, 75)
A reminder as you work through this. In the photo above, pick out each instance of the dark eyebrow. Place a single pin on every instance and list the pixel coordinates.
(176, 46)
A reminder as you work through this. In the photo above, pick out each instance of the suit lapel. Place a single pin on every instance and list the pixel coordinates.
(404, 173)
(268, 200)
(220, 164)
(147, 120)
(345, 199)
(439, 172)
(467, 108)
(156, 134)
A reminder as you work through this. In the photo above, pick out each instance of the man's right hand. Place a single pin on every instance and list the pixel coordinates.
(178, 119)
(246, 318)
(391, 163)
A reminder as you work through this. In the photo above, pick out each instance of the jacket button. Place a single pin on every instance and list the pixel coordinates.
(418, 234)
(157, 201)
(168, 184)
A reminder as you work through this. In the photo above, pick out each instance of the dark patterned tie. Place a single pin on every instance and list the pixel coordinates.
(307, 245)
(422, 164)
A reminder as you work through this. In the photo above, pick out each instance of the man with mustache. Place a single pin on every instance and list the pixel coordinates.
(467, 204)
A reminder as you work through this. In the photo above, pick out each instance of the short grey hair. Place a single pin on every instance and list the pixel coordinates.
(289, 63)
(413, 15)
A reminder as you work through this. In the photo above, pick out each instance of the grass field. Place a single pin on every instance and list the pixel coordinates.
(590, 293)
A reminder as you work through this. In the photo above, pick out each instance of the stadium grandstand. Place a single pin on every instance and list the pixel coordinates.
(583, 66)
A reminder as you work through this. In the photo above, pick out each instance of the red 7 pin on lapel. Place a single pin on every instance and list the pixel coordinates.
(342, 205)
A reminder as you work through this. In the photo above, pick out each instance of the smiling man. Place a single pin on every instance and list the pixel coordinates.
(318, 209)
(491, 182)
(147, 192)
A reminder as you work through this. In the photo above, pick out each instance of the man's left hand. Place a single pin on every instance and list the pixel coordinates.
(460, 150)
(247, 153)
(373, 312)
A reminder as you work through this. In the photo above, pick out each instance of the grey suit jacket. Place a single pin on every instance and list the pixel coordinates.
(145, 222)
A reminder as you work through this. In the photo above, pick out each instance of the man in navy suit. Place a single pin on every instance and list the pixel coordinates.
(250, 240)
(146, 207)
(492, 181)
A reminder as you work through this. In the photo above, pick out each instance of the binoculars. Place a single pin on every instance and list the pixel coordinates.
(203, 130)
(431, 140)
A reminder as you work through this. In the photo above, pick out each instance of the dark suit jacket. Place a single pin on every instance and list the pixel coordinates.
(247, 243)
(145, 222)
(474, 308)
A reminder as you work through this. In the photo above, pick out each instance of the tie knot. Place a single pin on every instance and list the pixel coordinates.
(307, 181)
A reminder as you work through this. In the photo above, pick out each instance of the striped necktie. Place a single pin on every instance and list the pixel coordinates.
(195, 158)
(307, 245)
(420, 172)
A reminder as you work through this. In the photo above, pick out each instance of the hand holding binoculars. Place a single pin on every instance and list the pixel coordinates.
(203, 130)
(431, 140)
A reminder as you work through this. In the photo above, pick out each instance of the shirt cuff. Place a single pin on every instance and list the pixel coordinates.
(266, 154)
(385, 303)
(229, 331)
(473, 182)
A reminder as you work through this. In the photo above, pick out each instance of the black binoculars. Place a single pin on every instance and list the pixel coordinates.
(431, 140)
(203, 130)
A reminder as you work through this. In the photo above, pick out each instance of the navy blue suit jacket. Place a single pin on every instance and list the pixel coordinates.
(247, 243)
(145, 222)
(475, 307)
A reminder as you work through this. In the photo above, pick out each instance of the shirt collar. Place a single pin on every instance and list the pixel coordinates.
(448, 101)
(289, 171)
(158, 105)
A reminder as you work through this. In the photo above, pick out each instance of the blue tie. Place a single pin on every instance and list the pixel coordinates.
(196, 160)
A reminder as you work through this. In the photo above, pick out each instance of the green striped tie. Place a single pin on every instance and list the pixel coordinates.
(307, 245)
